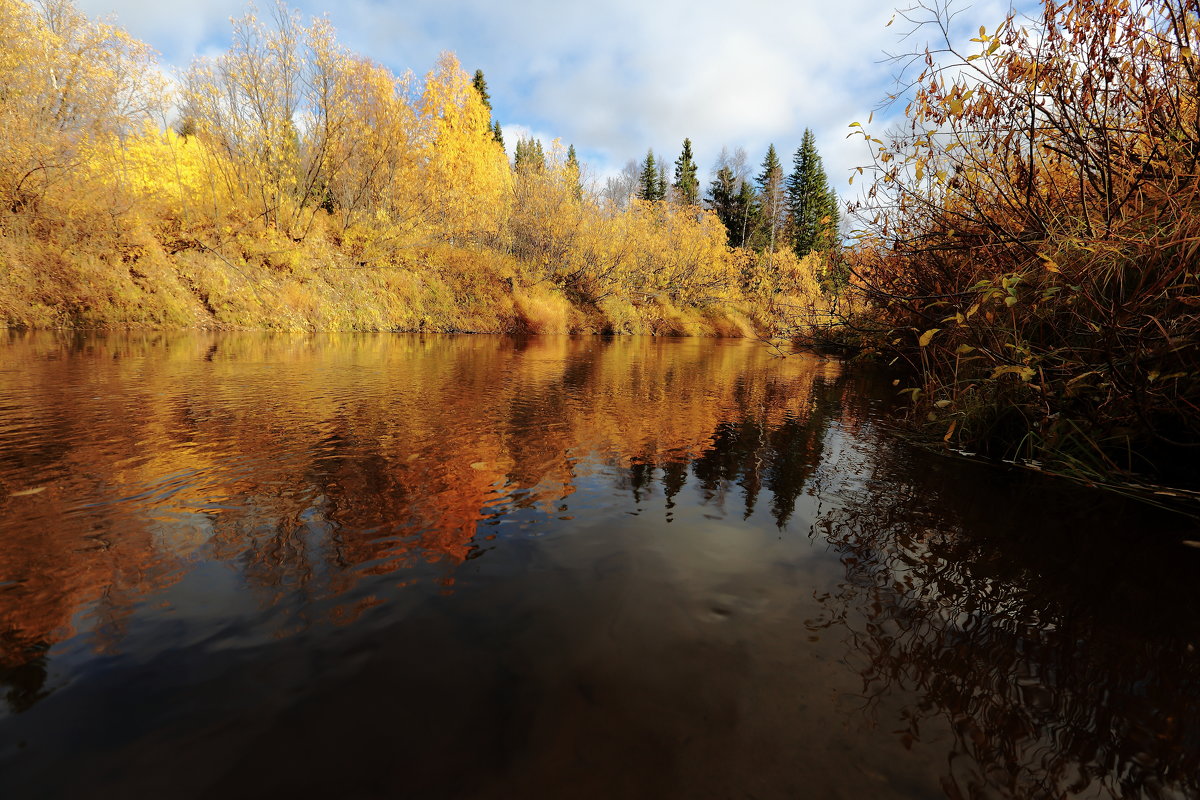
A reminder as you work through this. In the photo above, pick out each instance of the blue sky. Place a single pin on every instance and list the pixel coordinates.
(618, 77)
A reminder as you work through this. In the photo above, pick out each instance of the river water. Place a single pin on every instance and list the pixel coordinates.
(247, 565)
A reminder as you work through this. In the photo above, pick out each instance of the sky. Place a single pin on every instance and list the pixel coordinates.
(616, 78)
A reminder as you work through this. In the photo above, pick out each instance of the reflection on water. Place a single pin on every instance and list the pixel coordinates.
(483, 567)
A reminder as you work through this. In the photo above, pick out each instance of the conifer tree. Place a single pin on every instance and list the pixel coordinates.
(481, 86)
(728, 200)
(650, 185)
(573, 171)
(770, 200)
(722, 192)
(686, 185)
(812, 205)
(529, 156)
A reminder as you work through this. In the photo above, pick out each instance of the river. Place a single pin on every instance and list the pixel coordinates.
(253, 565)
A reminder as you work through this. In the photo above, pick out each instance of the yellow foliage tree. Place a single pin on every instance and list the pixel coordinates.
(466, 180)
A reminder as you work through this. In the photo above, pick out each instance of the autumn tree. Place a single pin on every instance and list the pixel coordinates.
(67, 86)
(466, 178)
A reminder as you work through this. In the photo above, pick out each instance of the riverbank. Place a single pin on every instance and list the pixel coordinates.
(132, 279)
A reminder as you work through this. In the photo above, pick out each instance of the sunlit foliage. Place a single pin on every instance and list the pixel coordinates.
(288, 182)
(1030, 240)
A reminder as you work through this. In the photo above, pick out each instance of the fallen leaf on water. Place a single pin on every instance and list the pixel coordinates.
(27, 492)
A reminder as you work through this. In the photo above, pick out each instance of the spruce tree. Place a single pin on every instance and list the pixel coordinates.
(573, 173)
(481, 86)
(812, 205)
(529, 156)
(649, 185)
(770, 201)
(498, 134)
(687, 185)
(722, 194)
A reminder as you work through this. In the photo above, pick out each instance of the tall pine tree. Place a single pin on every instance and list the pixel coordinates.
(686, 185)
(812, 205)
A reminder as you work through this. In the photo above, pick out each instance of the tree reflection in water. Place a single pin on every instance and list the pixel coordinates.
(1053, 630)
(249, 491)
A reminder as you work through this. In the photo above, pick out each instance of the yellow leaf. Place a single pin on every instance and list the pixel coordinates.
(1025, 373)
(927, 337)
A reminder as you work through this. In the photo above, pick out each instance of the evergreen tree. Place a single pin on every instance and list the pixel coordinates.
(481, 86)
(529, 156)
(721, 193)
(724, 198)
(573, 170)
(650, 184)
(770, 201)
(812, 205)
(687, 185)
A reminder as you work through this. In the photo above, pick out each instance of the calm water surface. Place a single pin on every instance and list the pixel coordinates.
(404, 566)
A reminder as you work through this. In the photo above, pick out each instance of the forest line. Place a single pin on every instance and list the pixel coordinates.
(291, 183)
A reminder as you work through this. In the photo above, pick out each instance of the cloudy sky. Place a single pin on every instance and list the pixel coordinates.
(617, 77)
